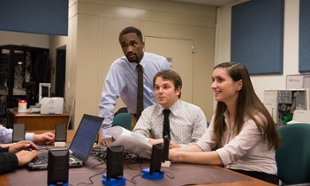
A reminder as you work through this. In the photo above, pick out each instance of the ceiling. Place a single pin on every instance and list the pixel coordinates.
(208, 2)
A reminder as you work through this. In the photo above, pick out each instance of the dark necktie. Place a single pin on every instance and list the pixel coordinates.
(139, 91)
(166, 127)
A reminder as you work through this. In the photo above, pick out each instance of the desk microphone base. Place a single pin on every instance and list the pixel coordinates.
(154, 176)
(113, 181)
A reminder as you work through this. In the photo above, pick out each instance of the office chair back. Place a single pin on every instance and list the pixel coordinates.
(121, 110)
(122, 119)
(293, 156)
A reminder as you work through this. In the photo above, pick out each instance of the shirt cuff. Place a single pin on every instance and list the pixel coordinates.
(29, 136)
(224, 156)
(105, 133)
(203, 145)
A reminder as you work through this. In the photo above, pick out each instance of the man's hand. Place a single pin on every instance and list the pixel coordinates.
(171, 145)
(173, 155)
(46, 138)
(174, 145)
(155, 141)
(26, 156)
(22, 145)
(106, 141)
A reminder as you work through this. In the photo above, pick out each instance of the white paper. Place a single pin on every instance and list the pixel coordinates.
(132, 142)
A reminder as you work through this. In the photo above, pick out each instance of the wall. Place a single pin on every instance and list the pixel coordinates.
(93, 45)
(18, 38)
(290, 47)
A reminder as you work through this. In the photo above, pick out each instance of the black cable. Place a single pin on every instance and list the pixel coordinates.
(90, 179)
(99, 154)
(132, 180)
(171, 176)
(132, 168)
(101, 163)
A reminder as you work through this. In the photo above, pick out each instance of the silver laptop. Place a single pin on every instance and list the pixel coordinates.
(80, 147)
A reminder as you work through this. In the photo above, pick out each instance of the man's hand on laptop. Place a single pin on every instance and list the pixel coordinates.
(22, 145)
(46, 138)
(25, 156)
(106, 141)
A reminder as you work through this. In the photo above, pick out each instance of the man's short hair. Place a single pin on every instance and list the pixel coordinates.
(131, 29)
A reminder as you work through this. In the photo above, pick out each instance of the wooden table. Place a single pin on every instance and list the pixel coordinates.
(252, 182)
(37, 121)
(70, 134)
(79, 175)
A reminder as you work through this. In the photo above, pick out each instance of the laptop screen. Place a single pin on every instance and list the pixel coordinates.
(85, 136)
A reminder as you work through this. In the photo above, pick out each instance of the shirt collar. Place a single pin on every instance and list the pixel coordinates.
(173, 108)
(134, 64)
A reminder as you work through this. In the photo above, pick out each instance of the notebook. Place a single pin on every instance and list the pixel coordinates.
(80, 147)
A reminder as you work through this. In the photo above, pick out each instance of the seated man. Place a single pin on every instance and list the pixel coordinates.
(16, 155)
(46, 138)
(187, 122)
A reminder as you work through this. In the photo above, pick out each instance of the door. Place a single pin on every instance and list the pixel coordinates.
(179, 54)
(60, 72)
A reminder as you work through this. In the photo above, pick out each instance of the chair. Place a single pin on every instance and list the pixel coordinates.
(122, 119)
(293, 156)
(121, 110)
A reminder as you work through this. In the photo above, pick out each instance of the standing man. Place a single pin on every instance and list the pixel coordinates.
(184, 123)
(122, 79)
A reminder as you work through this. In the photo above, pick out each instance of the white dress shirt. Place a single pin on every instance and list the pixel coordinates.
(6, 135)
(187, 123)
(122, 81)
(245, 151)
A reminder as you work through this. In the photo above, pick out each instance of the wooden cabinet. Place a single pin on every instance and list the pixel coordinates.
(37, 121)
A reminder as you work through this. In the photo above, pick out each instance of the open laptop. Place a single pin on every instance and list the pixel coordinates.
(80, 147)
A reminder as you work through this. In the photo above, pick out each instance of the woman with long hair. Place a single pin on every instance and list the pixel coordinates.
(242, 135)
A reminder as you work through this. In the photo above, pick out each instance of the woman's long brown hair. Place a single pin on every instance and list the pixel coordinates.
(248, 106)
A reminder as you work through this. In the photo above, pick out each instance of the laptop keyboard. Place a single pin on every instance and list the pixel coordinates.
(43, 158)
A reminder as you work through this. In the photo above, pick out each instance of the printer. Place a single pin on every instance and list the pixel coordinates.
(53, 105)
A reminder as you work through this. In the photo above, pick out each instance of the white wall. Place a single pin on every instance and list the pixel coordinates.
(19, 38)
(290, 46)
